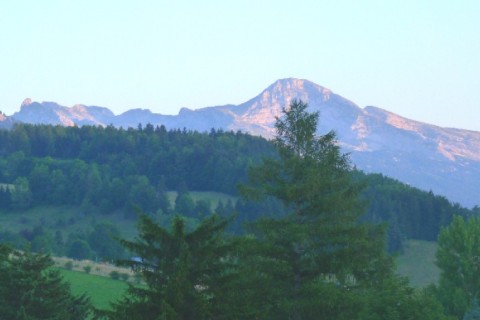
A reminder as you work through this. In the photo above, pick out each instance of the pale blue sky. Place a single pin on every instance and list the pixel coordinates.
(420, 59)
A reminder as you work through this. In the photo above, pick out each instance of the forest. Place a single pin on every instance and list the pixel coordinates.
(88, 167)
(307, 232)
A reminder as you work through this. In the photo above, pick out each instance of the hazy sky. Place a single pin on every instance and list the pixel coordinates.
(420, 59)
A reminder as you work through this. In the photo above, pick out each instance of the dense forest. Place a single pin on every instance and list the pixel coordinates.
(305, 237)
(89, 167)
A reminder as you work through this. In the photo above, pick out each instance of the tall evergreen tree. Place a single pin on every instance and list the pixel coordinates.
(183, 271)
(320, 250)
(458, 257)
(30, 289)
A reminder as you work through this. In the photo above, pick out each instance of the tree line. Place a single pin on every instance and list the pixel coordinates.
(319, 260)
(90, 166)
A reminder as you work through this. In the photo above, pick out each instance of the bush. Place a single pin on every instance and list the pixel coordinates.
(69, 265)
(137, 278)
(115, 275)
(87, 269)
(124, 276)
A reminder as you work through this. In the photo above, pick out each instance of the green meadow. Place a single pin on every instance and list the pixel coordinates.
(101, 290)
(417, 263)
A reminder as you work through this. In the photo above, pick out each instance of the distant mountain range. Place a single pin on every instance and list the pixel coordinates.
(444, 160)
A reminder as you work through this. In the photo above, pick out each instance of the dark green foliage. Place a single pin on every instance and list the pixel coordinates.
(320, 242)
(394, 299)
(214, 161)
(320, 260)
(115, 275)
(316, 260)
(474, 312)
(107, 170)
(183, 271)
(103, 240)
(87, 268)
(458, 259)
(30, 289)
(185, 205)
(21, 195)
(79, 249)
(410, 213)
(202, 208)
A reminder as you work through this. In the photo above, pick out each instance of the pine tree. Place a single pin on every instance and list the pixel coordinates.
(183, 270)
(30, 289)
(320, 250)
(458, 257)
(474, 312)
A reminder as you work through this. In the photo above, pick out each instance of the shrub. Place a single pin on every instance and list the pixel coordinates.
(115, 275)
(124, 276)
(69, 265)
(137, 278)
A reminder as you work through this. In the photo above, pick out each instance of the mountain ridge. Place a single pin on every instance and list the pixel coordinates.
(444, 160)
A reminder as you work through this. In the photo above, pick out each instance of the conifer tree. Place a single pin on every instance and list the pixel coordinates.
(458, 257)
(30, 289)
(320, 250)
(183, 271)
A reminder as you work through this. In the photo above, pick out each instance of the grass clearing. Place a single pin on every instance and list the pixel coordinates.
(101, 290)
(71, 219)
(417, 263)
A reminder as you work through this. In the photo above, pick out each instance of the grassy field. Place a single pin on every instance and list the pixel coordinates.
(97, 284)
(418, 263)
(102, 290)
(70, 219)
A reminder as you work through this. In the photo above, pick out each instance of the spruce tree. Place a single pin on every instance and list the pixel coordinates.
(458, 257)
(31, 289)
(184, 271)
(320, 250)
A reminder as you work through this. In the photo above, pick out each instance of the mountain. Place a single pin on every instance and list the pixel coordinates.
(5, 122)
(55, 114)
(444, 160)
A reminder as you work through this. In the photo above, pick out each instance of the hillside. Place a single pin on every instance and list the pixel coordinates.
(64, 185)
(444, 160)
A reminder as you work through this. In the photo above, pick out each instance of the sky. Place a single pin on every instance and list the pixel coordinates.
(417, 58)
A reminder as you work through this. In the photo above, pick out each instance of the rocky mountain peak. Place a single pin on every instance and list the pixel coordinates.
(285, 90)
(26, 102)
(446, 161)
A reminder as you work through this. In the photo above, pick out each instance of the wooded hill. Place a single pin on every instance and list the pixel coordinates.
(105, 170)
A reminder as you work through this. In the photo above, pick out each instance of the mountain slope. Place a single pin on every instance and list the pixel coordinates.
(5, 122)
(444, 160)
(55, 114)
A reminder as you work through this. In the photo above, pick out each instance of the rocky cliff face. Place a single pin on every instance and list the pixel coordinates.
(444, 160)
(55, 114)
(5, 122)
